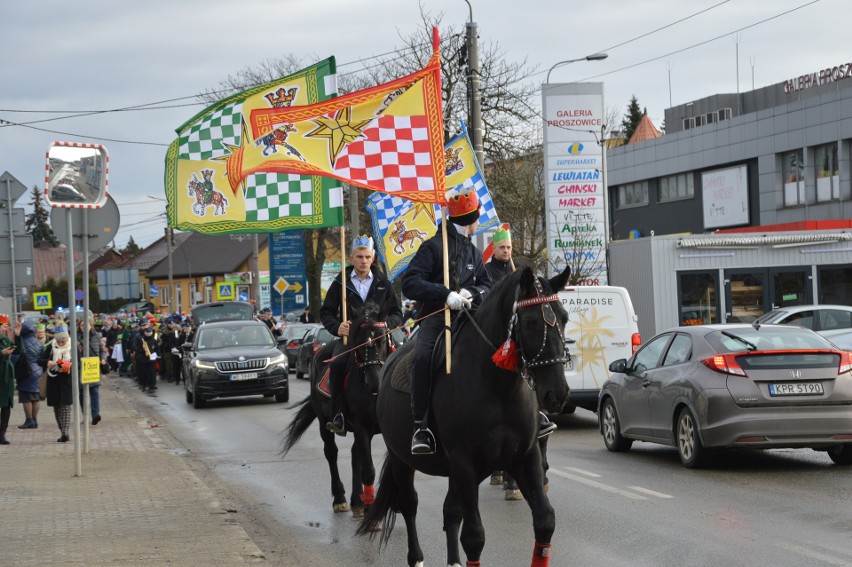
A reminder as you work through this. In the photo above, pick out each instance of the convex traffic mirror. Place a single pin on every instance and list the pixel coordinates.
(76, 175)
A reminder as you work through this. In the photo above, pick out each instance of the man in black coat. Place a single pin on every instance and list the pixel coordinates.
(424, 283)
(363, 283)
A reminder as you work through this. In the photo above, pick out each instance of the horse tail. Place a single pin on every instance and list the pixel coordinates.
(383, 511)
(304, 417)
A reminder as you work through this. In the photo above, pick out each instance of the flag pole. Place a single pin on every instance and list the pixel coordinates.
(343, 274)
(446, 255)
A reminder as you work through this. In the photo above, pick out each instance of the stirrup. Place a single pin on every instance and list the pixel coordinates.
(545, 426)
(423, 442)
(337, 425)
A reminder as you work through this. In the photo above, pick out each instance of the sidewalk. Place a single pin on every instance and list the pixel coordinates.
(137, 502)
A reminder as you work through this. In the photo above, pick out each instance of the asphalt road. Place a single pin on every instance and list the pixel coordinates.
(777, 508)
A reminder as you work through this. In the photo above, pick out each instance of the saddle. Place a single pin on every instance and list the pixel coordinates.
(322, 386)
(401, 380)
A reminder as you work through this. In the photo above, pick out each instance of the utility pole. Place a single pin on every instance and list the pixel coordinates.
(474, 89)
(255, 275)
(170, 235)
(12, 254)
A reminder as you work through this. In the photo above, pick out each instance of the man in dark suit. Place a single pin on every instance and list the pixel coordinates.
(363, 283)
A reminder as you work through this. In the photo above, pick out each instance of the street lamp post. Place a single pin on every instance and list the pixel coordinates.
(593, 57)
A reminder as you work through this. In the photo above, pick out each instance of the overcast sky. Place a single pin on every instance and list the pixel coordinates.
(100, 55)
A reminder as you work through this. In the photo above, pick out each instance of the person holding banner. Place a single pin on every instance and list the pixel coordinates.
(364, 283)
(423, 282)
(56, 360)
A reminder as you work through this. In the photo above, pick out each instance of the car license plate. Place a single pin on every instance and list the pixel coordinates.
(796, 389)
(244, 376)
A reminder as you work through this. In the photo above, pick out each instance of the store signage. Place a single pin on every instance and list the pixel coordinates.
(821, 77)
(575, 191)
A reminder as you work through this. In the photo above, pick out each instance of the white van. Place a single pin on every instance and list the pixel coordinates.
(602, 327)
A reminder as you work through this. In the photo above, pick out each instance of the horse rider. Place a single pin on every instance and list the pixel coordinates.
(424, 283)
(500, 266)
(364, 282)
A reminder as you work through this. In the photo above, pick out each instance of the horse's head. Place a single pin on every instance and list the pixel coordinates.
(367, 335)
(539, 333)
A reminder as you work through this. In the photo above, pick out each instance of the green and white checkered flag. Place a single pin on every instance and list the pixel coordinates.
(207, 138)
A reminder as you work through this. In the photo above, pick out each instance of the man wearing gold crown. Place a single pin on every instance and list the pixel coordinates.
(364, 282)
(424, 283)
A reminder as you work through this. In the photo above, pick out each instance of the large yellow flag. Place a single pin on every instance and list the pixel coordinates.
(387, 138)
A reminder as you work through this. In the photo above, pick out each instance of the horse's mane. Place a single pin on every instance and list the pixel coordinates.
(498, 299)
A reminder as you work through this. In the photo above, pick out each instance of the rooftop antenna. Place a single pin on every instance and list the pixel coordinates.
(752, 61)
(737, 44)
(669, 69)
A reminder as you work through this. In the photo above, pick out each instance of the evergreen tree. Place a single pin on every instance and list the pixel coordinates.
(132, 249)
(631, 120)
(38, 222)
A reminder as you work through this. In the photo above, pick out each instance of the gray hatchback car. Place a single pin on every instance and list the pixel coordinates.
(708, 387)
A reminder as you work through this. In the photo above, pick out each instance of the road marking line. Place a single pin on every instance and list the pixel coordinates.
(599, 485)
(581, 471)
(650, 492)
(813, 554)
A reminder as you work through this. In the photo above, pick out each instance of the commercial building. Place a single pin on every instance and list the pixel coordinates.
(759, 175)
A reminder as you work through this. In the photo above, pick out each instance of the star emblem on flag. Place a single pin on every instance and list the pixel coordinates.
(339, 130)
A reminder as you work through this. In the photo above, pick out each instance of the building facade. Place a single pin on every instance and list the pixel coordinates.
(777, 158)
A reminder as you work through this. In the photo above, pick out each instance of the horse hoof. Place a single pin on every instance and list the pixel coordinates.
(342, 507)
(358, 512)
(512, 495)
(496, 479)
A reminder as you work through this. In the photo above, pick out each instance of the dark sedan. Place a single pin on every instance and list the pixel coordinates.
(235, 358)
(708, 387)
(291, 339)
(313, 340)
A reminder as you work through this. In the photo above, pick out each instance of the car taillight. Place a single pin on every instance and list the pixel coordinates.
(636, 342)
(315, 347)
(725, 364)
(845, 362)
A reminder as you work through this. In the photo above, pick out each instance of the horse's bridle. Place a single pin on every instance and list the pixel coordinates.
(371, 350)
(550, 321)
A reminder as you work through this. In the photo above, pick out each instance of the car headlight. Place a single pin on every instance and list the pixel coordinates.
(205, 365)
(279, 359)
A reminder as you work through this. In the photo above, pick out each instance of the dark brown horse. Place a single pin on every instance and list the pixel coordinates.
(484, 417)
(367, 337)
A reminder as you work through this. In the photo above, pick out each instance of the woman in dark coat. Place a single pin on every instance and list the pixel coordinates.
(28, 372)
(57, 359)
(7, 378)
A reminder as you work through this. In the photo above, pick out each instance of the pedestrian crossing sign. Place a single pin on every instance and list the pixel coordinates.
(42, 300)
(224, 290)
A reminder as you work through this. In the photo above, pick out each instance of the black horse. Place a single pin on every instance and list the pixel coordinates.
(367, 337)
(484, 418)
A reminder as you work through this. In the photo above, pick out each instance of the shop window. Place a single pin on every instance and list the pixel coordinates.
(178, 298)
(164, 296)
(827, 172)
(698, 298)
(632, 195)
(835, 285)
(193, 290)
(677, 187)
(793, 168)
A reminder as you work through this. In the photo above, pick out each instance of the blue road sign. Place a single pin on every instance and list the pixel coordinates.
(78, 295)
(153, 291)
(243, 297)
(42, 301)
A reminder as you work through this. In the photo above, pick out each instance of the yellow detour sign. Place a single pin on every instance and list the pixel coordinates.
(42, 300)
(91, 373)
(224, 290)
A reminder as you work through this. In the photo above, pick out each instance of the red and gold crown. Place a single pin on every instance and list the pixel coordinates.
(4, 319)
(463, 207)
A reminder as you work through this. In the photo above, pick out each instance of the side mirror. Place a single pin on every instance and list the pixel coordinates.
(76, 175)
(619, 366)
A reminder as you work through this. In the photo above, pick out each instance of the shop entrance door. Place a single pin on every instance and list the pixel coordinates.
(749, 293)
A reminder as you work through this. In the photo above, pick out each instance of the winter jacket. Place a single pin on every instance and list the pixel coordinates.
(28, 371)
(381, 293)
(423, 281)
(7, 374)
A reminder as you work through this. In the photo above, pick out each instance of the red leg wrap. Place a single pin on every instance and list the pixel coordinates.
(541, 555)
(369, 495)
(472, 563)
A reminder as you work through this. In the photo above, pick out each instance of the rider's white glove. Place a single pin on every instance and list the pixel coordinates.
(465, 294)
(175, 351)
(456, 301)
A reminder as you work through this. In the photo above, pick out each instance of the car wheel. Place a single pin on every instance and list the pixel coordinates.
(692, 452)
(300, 375)
(841, 454)
(283, 397)
(611, 429)
(198, 401)
(569, 409)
